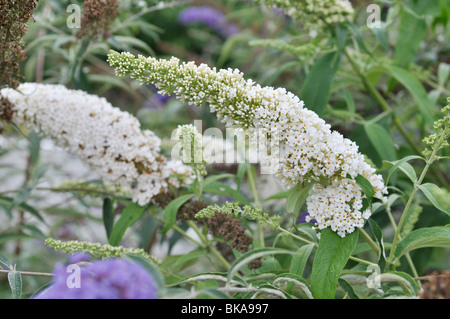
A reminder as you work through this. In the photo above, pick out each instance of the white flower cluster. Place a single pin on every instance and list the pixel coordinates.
(108, 139)
(315, 14)
(308, 151)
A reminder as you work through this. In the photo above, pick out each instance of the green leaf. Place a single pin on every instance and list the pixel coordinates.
(431, 191)
(349, 101)
(307, 230)
(381, 141)
(296, 197)
(125, 42)
(130, 214)
(108, 216)
(186, 259)
(411, 31)
(423, 237)
(293, 281)
(376, 230)
(405, 281)
(213, 293)
(409, 171)
(365, 185)
(4, 262)
(316, 88)
(279, 195)
(207, 276)
(223, 189)
(253, 254)
(356, 33)
(15, 282)
(8, 202)
(347, 288)
(330, 259)
(214, 178)
(170, 212)
(242, 169)
(298, 263)
(443, 73)
(396, 164)
(419, 94)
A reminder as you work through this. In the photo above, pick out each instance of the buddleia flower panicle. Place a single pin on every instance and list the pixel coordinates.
(230, 231)
(210, 17)
(315, 15)
(308, 150)
(14, 16)
(95, 250)
(98, 15)
(112, 278)
(239, 211)
(108, 139)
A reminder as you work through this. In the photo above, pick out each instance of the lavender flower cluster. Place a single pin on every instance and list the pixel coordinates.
(210, 17)
(112, 278)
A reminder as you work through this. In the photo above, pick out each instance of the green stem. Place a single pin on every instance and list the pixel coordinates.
(252, 183)
(369, 240)
(407, 255)
(429, 161)
(28, 273)
(251, 176)
(209, 246)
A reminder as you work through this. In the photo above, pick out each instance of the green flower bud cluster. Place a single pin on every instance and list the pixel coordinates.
(237, 211)
(96, 250)
(439, 140)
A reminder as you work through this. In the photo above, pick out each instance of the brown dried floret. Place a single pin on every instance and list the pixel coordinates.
(98, 15)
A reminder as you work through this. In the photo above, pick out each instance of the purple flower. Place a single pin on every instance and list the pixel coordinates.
(209, 16)
(112, 278)
(79, 256)
(302, 218)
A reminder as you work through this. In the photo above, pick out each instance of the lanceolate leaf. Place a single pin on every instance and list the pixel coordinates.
(424, 237)
(329, 261)
(223, 189)
(431, 191)
(15, 282)
(296, 198)
(376, 230)
(130, 214)
(4, 262)
(108, 216)
(381, 141)
(252, 255)
(316, 95)
(298, 263)
(170, 212)
(396, 164)
(412, 30)
(417, 91)
(348, 289)
(365, 185)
